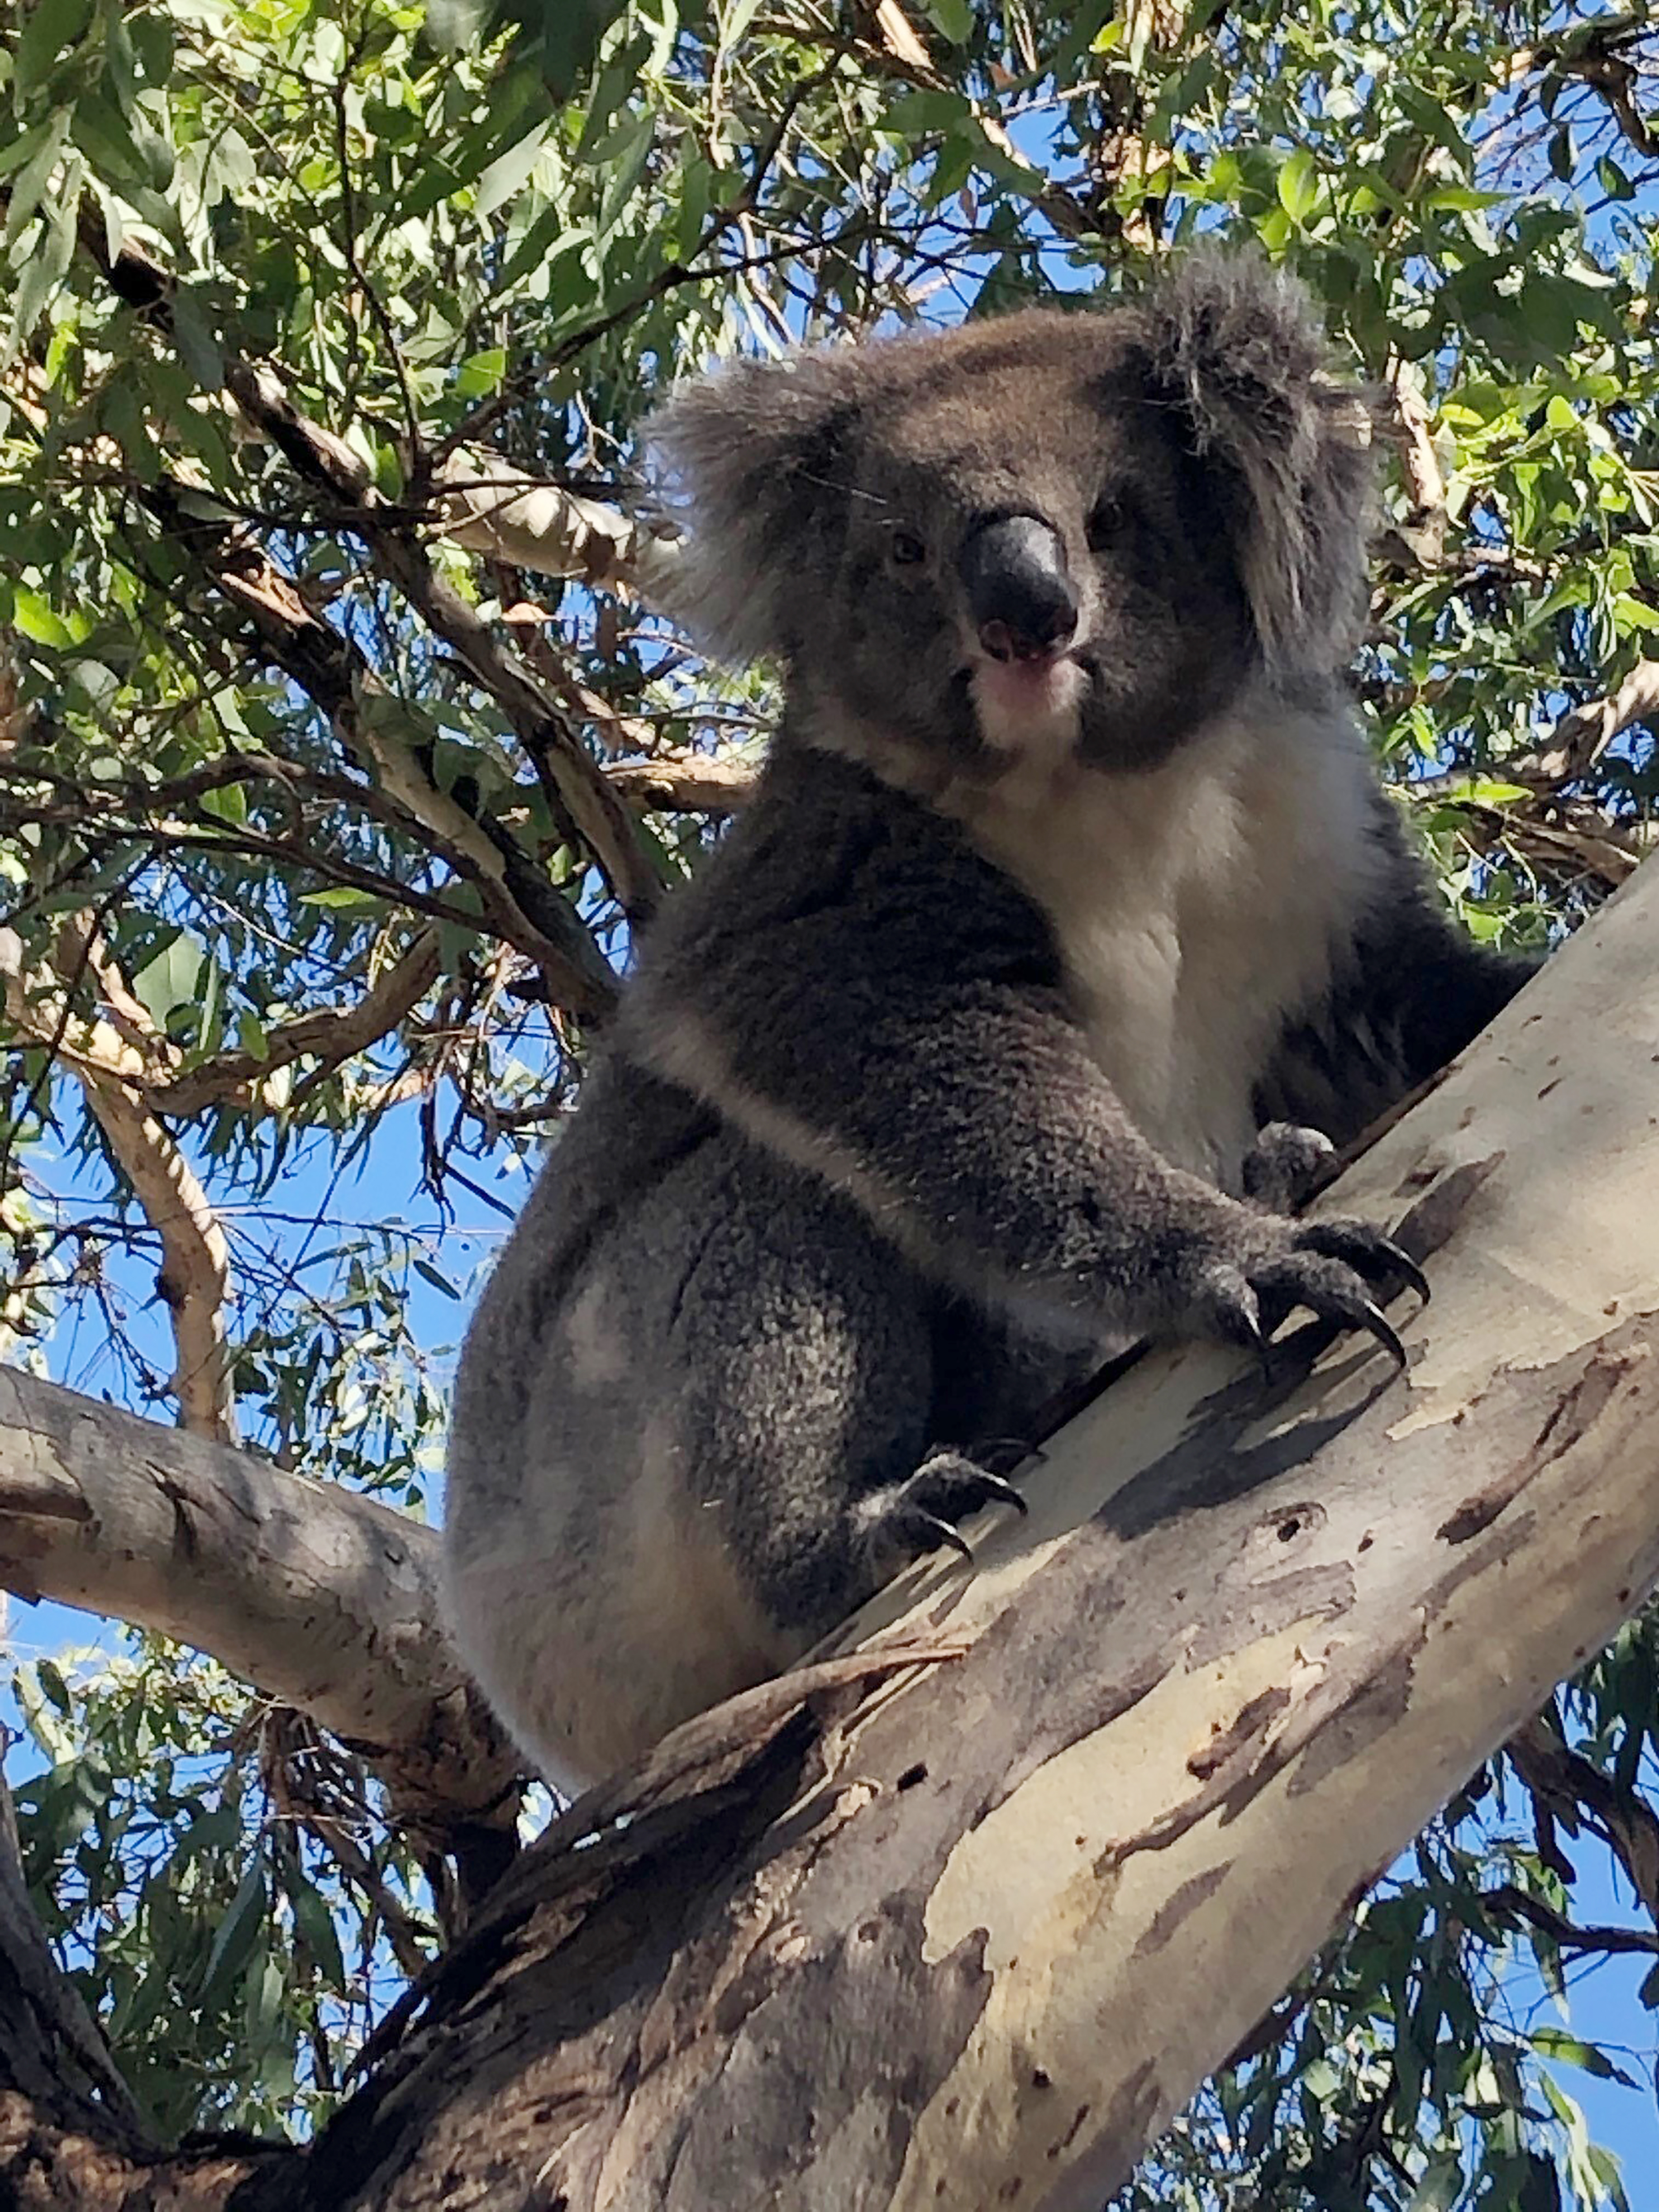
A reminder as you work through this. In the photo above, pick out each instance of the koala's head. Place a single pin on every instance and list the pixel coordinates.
(1089, 531)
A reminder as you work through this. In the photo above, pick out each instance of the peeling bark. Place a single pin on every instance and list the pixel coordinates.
(966, 1924)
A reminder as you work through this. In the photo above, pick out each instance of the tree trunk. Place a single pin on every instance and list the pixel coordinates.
(968, 1928)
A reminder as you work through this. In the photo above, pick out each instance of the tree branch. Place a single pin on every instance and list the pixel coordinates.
(1581, 737)
(683, 783)
(331, 1036)
(322, 1598)
(194, 1279)
(1573, 1790)
(508, 516)
(295, 639)
(518, 903)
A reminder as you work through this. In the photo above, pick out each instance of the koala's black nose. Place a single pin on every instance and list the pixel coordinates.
(1020, 591)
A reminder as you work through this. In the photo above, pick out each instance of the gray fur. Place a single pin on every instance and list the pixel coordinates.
(946, 1073)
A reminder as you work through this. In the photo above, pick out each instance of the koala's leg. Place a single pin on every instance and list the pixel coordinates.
(811, 1438)
(738, 1367)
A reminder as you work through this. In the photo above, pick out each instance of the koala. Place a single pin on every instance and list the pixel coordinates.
(991, 1036)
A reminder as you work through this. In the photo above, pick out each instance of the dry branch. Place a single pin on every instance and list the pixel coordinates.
(683, 783)
(1583, 734)
(331, 1036)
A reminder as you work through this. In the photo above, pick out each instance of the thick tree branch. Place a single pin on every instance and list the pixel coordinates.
(323, 1599)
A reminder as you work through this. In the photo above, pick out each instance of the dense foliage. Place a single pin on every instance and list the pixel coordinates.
(321, 836)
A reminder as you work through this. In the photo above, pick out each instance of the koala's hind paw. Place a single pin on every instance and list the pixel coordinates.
(1328, 1266)
(920, 1514)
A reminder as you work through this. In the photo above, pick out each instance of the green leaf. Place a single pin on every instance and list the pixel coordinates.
(341, 895)
(1298, 186)
(316, 1923)
(508, 173)
(46, 145)
(171, 980)
(955, 18)
(50, 26)
(34, 614)
(236, 1935)
(481, 373)
(197, 346)
(1573, 2051)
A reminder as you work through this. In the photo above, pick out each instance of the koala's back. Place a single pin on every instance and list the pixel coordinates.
(614, 1464)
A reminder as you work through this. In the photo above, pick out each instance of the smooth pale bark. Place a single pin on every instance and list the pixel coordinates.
(321, 1598)
(967, 1931)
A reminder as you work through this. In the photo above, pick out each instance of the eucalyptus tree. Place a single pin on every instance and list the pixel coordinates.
(342, 751)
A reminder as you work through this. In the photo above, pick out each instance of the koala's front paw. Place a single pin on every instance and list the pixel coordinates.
(921, 1514)
(1283, 1165)
(1245, 1279)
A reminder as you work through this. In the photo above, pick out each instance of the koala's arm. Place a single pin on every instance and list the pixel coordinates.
(941, 1080)
(1409, 993)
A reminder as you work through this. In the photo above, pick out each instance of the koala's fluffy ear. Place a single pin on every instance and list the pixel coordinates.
(755, 457)
(1239, 349)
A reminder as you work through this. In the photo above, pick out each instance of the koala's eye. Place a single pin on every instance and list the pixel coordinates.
(1108, 519)
(906, 548)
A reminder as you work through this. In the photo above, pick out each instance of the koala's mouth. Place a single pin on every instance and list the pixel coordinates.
(1031, 704)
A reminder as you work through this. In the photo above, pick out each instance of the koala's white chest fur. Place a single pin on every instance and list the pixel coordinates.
(1196, 907)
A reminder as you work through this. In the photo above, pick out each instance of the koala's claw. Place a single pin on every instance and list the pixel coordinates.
(919, 1514)
(1327, 1266)
(1367, 1250)
(1238, 1314)
(936, 1533)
